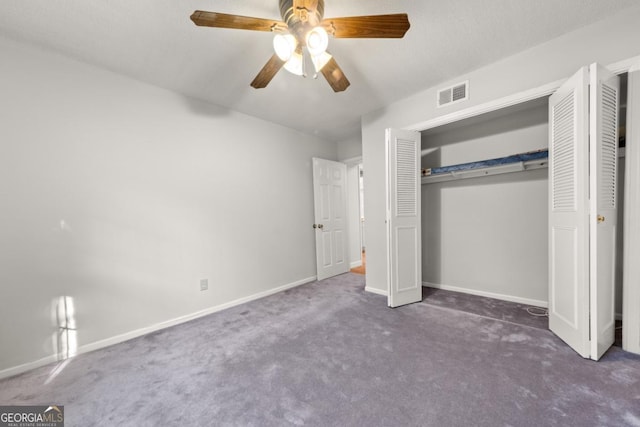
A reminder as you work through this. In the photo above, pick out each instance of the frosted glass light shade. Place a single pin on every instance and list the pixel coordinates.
(284, 45)
(295, 64)
(317, 41)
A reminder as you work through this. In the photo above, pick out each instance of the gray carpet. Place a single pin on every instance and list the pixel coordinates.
(329, 354)
(487, 307)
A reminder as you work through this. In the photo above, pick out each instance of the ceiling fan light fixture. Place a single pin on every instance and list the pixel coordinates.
(295, 64)
(303, 31)
(284, 45)
(317, 41)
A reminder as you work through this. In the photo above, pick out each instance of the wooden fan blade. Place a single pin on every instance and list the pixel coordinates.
(334, 75)
(267, 73)
(375, 26)
(222, 20)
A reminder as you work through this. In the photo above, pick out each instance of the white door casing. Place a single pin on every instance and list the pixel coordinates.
(631, 273)
(330, 213)
(604, 88)
(403, 218)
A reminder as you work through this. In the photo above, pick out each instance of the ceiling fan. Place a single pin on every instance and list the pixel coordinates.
(304, 29)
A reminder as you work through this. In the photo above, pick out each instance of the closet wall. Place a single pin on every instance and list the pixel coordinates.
(488, 235)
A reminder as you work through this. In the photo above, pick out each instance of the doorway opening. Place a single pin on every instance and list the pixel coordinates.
(363, 268)
(355, 173)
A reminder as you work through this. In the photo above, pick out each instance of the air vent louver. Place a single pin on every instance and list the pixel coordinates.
(452, 94)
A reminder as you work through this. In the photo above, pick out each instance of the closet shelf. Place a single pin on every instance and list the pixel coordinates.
(516, 163)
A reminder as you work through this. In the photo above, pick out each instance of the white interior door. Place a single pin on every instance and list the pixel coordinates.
(330, 196)
(404, 237)
(569, 212)
(604, 91)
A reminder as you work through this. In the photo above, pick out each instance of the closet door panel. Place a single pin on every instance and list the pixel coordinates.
(404, 244)
(569, 213)
(604, 90)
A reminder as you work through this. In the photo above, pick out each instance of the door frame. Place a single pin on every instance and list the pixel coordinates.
(631, 281)
(631, 240)
(353, 216)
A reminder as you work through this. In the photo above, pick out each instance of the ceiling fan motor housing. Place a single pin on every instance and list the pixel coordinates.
(306, 15)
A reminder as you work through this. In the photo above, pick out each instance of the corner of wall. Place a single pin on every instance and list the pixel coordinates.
(350, 148)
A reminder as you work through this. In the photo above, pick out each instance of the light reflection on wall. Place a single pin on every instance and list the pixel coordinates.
(65, 339)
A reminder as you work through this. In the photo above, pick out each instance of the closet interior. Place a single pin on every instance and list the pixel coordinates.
(485, 192)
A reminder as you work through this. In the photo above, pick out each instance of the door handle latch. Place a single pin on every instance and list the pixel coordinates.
(600, 219)
(320, 226)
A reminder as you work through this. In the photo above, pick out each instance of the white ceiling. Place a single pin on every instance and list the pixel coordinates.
(155, 41)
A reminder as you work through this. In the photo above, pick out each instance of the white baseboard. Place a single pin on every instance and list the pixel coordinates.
(511, 298)
(376, 291)
(355, 264)
(15, 370)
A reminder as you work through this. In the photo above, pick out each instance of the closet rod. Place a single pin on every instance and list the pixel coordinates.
(479, 171)
(487, 171)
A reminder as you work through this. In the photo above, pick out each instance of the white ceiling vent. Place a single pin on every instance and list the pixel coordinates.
(452, 94)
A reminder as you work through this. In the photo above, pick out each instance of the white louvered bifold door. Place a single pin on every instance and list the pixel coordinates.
(569, 212)
(604, 91)
(404, 238)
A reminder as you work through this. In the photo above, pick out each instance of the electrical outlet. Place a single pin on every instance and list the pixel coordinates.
(204, 284)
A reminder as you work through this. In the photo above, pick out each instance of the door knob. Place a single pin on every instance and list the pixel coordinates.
(320, 226)
(600, 219)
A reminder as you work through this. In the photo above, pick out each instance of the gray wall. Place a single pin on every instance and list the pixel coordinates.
(350, 148)
(123, 196)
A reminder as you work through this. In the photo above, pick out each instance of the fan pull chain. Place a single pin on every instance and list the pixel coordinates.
(304, 65)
